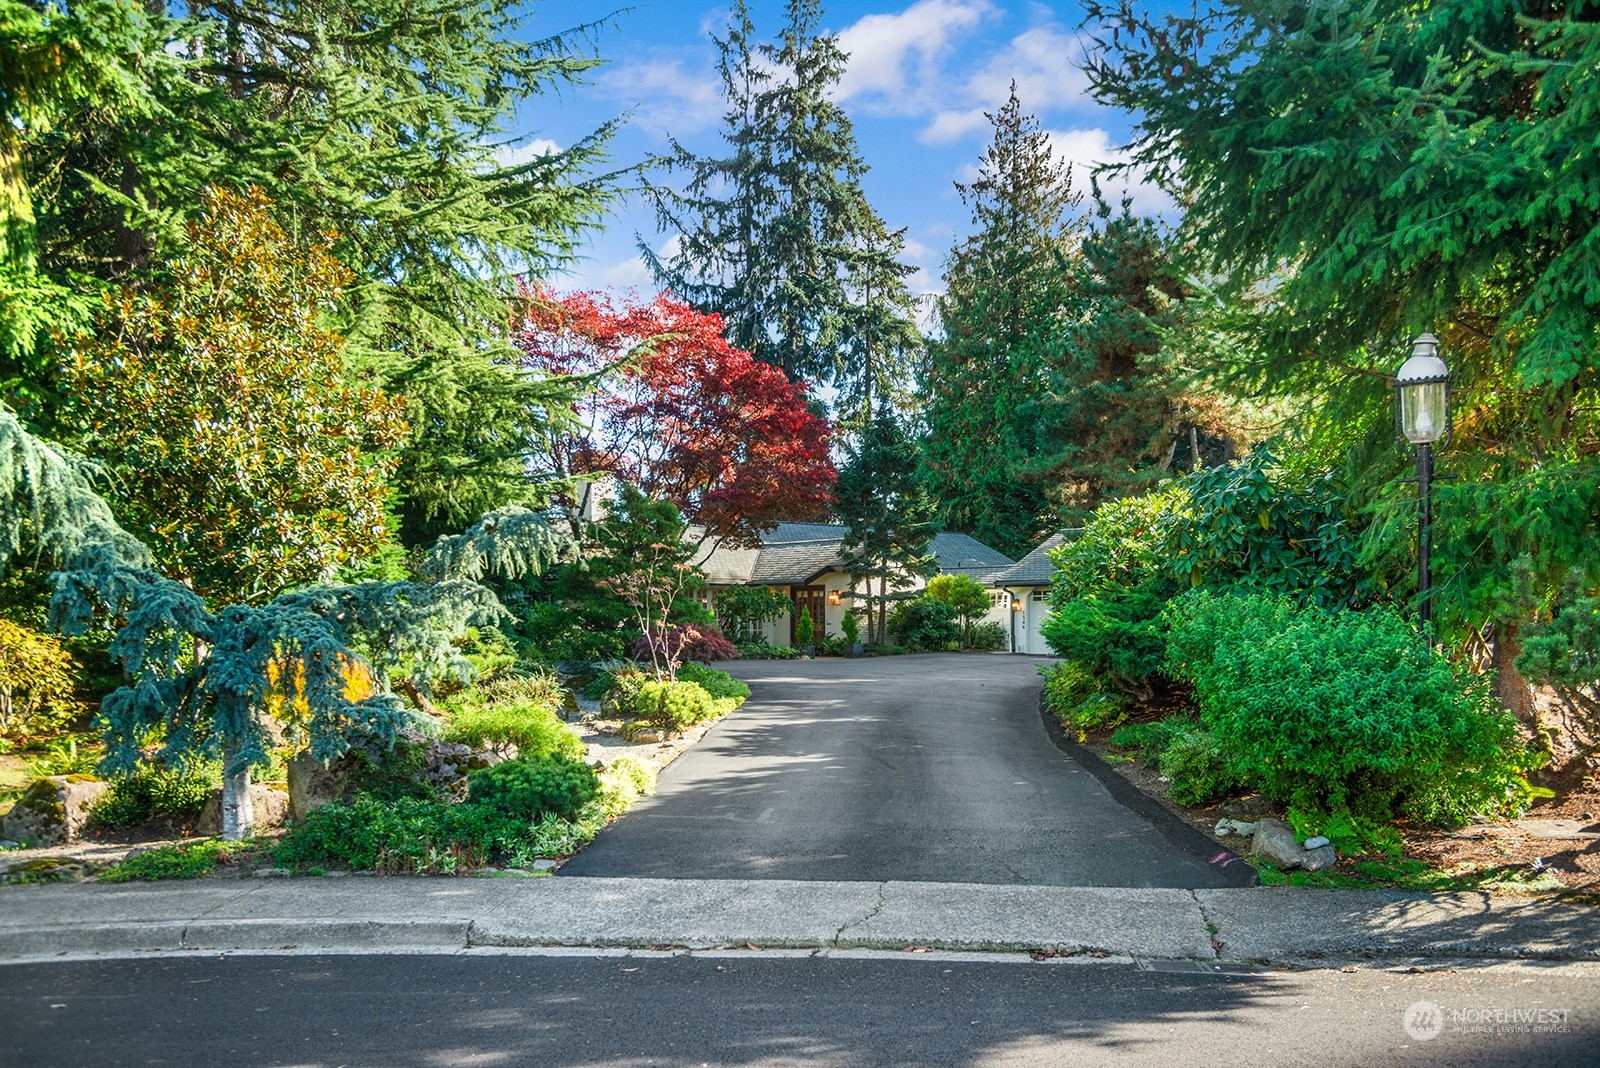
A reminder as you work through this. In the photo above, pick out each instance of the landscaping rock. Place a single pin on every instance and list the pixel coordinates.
(1248, 809)
(311, 785)
(53, 810)
(1319, 858)
(1317, 842)
(1276, 842)
(269, 807)
(1226, 827)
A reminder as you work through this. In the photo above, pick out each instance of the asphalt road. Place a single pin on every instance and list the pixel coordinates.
(915, 768)
(441, 1012)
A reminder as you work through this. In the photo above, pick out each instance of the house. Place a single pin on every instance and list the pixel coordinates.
(806, 562)
(1025, 589)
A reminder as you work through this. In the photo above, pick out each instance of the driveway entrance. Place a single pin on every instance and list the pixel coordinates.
(920, 768)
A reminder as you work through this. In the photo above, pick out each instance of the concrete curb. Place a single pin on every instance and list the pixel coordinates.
(1234, 868)
(450, 915)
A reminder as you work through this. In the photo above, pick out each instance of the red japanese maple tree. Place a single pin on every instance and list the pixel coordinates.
(680, 413)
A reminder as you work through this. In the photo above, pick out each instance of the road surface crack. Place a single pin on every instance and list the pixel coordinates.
(876, 908)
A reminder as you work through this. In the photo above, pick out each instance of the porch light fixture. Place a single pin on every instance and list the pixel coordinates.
(833, 596)
(1422, 417)
(1016, 604)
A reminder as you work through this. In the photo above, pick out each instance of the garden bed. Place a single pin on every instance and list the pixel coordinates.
(1555, 847)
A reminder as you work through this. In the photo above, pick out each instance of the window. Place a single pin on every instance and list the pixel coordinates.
(999, 598)
(1040, 596)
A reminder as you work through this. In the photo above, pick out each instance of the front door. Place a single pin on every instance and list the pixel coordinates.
(814, 598)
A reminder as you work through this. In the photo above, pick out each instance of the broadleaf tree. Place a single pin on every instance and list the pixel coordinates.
(218, 397)
(680, 414)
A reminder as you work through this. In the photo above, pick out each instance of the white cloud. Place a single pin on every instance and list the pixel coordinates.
(1045, 64)
(516, 155)
(894, 57)
(667, 96)
(1087, 149)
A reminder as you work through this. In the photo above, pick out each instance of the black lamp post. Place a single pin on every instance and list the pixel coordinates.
(1422, 417)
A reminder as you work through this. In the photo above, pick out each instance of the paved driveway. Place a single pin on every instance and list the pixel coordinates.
(919, 768)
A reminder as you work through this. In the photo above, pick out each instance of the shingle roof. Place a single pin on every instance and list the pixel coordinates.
(796, 553)
(962, 552)
(1036, 568)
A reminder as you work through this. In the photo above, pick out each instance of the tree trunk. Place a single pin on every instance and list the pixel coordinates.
(883, 609)
(238, 816)
(417, 697)
(1510, 687)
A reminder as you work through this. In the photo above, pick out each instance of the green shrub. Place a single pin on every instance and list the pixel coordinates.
(1077, 700)
(850, 628)
(990, 637)
(398, 836)
(530, 788)
(532, 727)
(1349, 834)
(537, 686)
(925, 624)
(1117, 635)
(186, 860)
(624, 692)
(390, 773)
(1201, 772)
(157, 793)
(718, 684)
(804, 628)
(672, 705)
(1338, 711)
(1150, 739)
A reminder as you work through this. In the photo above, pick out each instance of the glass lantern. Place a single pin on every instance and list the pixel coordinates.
(1422, 394)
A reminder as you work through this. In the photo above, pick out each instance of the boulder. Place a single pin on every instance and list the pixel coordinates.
(1247, 809)
(269, 807)
(1317, 842)
(1225, 827)
(311, 785)
(1276, 842)
(53, 810)
(1321, 857)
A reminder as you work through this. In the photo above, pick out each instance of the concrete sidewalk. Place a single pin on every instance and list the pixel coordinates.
(443, 914)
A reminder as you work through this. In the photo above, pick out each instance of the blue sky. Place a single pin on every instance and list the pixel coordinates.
(920, 78)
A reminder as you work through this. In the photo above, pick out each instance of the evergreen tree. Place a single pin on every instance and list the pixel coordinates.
(1115, 414)
(1375, 170)
(383, 126)
(889, 518)
(777, 236)
(1005, 294)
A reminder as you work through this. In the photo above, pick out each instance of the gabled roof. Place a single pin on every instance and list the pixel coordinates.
(797, 553)
(1036, 568)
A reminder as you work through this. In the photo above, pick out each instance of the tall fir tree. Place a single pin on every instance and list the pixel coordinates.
(385, 127)
(1006, 291)
(776, 235)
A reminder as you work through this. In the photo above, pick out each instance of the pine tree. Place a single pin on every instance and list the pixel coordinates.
(382, 126)
(889, 518)
(777, 236)
(1006, 292)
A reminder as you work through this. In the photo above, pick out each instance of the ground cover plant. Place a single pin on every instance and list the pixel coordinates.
(517, 818)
